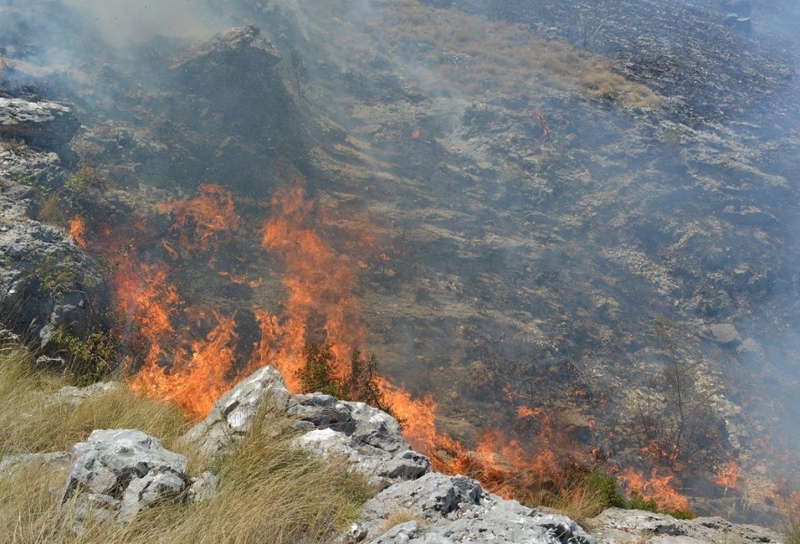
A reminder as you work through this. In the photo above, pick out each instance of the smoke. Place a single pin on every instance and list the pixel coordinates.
(127, 22)
(503, 233)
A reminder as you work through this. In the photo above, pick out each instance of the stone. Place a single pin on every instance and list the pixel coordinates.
(119, 473)
(725, 334)
(43, 123)
(618, 525)
(47, 283)
(370, 438)
(399, 534)
(234, 413)
(75, 395)
(456, 509)
(203, 488)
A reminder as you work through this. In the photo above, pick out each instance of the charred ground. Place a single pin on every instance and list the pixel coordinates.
(520, 230)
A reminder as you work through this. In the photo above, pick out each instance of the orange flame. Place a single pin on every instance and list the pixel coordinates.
(320, 306)
(77, 230)
(202, 221)
(728, 477)
(194, 373)
(659, 487)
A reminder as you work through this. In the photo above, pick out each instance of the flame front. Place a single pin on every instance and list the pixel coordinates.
(190, 352)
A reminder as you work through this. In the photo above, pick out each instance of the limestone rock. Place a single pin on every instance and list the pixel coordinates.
(371, 438)
(58, 459)
(47, 283)
(119, 473)
(39, 123)
(617, 525)
(726, 334)
(203, 488)
(75, 395)
(455, 509)
(233, 414)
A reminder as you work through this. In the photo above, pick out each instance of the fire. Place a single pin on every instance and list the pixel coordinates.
(418, 417)
(204, 222)
(320, 306)
(659, 487)
(179, 364)
(729, 476)
(77, 230)
(188, 351)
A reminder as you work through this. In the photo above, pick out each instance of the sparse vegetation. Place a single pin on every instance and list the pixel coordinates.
(309, 500)
(33, 422)
(482, 55)
(79, 195)
(682, 425)
(586, 493)
(403, 515)
(791, 529)
(318, 374)
(88, 359)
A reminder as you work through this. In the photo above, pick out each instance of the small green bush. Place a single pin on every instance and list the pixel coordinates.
(360, 384)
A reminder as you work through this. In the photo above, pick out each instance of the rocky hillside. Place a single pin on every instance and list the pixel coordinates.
(566, 229)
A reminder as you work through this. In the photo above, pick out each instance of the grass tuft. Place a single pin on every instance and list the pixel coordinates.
(34, 423)
(269, 491)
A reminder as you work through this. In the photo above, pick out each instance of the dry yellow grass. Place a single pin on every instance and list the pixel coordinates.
(32, 423)
(579, 503)
(481, 55)
(401, 516)
(268, 491)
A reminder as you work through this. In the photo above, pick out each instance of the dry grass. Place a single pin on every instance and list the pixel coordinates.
(579, 503)
(32, 423)
(481, 55)
(402, 515)
(791, 529)
(268, 491)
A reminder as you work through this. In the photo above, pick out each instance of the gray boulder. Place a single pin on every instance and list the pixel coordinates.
(370, 438)
(47, 124)
(47, 283)
(234, 413)
(452, 509)
(617, 525)
(119, 473)
(725, 334)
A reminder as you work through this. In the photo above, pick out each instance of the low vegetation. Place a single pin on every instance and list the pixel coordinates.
(792, 524)
(319, 373)
(267, 487)
(308, 500)
(481, 55)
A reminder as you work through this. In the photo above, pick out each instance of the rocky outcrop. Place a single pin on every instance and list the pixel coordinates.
(370, 438)
(234, 413)
(616, 525)
(47, 124)
(119, 473)
(46, 282)
(446, 509)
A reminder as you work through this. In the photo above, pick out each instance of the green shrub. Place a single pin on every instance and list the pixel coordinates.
(318, 374)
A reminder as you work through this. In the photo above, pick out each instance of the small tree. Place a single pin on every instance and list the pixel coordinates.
(679, 424)
(317, 372)
(361, 384)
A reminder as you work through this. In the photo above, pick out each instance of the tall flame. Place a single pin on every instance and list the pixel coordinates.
(320, 305)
